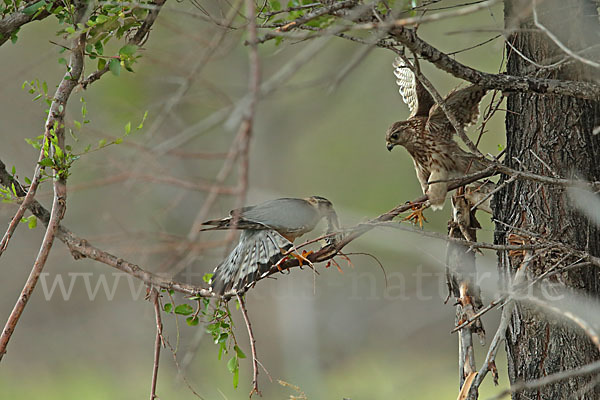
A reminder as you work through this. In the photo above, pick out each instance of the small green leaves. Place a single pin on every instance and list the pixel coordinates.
(141, 125)
(31, 221)
(239, 351)
(128, 50)
(168, 307)
(192, 321)
(128, 128)
(30, 10)
(232, 364)
(184, 309)
(46, 162)
(115, 66)
(207, 277)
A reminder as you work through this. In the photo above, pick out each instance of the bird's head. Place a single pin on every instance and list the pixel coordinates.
(326, 210)
(324, 206)
(400, 133)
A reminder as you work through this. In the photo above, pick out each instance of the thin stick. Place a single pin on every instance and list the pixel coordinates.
(157, 343)
(252, 347)
(55, 123)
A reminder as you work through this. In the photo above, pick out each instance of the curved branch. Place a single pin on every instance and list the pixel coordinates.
(12, 23)
(509, 83)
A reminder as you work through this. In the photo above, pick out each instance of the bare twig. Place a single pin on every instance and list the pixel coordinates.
(408, 37)
(37, 175)
(557, 41)
(252, 346)
(549, 379)
(154, 298)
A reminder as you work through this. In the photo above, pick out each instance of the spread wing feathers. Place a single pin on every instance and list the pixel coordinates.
(416, 97)
(227, 223)
(252, 258)
(463, 104)
(286, 215)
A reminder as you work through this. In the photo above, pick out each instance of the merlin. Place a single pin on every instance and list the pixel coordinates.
(268, 233)
(428, 134)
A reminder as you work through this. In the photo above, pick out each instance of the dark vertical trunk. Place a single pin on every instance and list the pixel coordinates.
(558, 130)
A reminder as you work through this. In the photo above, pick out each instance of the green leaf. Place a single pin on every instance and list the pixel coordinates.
(46, 162)
(58, 152)
(100, 19)
(239, 351)
(115, 66)
(33, 8)
(77, 124)
(141, 125)
(212, 328)
(45, 87)
(36, 145)
(223, 336)
(62, 61)
(101, 143)
(70, 29)
(192, 321)
(31, 222)
(128, 128)
(232, 364)
(101, 63)
(207, 277)
(128, 50)
(27, 180)
(168, 307)
(13, 170)
(184, 309)
(236, 378)
(118, 140)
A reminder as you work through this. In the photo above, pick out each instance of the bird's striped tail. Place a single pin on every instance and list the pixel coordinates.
(253, 257)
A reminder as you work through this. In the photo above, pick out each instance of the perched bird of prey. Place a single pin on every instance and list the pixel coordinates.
(427, 133)
(268, 232)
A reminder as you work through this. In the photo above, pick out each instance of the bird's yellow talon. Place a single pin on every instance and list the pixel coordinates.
(416, 217)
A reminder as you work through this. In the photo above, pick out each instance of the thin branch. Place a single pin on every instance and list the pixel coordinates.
(154, 298)
(508, 83)
(557, 41)
(549, 379)
(252, 346)
(54, 125)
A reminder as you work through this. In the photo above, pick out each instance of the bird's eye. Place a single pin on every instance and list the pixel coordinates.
(394, 136)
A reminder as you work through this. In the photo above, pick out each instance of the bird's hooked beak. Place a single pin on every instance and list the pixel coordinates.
(389, 146)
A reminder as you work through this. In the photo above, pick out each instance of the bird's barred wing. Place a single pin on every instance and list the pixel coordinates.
(253, 257)
(286, 215)
(416, 97)
(463, 104)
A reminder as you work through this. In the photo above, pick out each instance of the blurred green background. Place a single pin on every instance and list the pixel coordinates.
(334, 335)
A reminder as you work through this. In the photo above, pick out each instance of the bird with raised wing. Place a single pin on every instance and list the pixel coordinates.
(428, 134)
(268, 232)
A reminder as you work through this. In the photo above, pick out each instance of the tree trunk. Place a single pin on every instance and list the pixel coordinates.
(558, 130)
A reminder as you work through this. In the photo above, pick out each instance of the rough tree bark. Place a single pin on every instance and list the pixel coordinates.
(559, 130)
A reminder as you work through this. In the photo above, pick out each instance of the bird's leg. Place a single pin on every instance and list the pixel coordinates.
(416, 217)
(293, 252)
